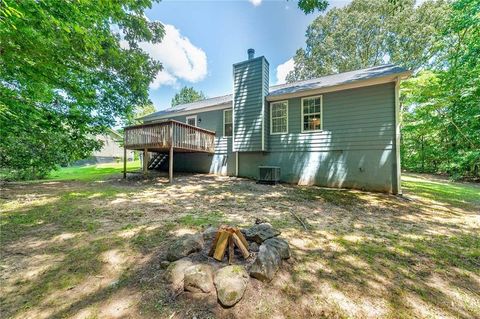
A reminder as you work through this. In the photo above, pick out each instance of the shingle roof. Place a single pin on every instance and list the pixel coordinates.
(336, 79)
(289, 88)
(219, 100)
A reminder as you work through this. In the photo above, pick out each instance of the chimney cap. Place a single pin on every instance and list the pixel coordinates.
(251, 53)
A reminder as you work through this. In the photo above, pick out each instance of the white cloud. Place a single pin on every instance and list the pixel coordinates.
(179, 57)
(163, 78)
(283, 70)
(256, 3)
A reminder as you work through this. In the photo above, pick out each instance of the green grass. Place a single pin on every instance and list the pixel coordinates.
(202, 218)
(91, 172)
(456, 194)
(355, 239)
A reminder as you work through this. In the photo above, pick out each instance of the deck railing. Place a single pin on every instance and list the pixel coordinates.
(163, 135)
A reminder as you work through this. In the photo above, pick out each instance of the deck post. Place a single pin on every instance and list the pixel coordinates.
(170, 156)
(124, 162)
(170, 165)
(145, 161)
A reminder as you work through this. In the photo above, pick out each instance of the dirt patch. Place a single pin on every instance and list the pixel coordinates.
(93, 249)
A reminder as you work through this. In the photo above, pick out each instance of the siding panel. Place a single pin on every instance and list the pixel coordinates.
(250, 88)
(353, 119)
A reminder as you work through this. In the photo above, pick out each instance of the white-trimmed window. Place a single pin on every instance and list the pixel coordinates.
(312, 108)
(192, 120)
(227, 123)
(279, 117)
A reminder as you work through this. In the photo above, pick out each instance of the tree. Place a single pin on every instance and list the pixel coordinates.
(366, 33)
(444, 111)
(64, 77)
(187, 95)
(309, 6)
(140, 111)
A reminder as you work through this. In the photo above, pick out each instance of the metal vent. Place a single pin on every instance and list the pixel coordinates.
(268, 174)
(251, 53)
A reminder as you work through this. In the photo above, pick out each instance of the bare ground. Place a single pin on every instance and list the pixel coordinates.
(93, 250)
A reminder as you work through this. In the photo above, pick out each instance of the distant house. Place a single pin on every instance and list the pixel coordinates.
(111, 151)
(339, 130)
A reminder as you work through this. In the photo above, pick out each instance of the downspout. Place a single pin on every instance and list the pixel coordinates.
(263, 109)
(234, 149)
(397, 174)
(236, 164)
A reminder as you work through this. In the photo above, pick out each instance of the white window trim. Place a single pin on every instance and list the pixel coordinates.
(226, 123)
(321, 113)
(192, 117)
(271, 126)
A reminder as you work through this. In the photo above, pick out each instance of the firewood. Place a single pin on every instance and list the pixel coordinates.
(214, 244)
(242, 238)
(240, 245)
(221, 245)
(230, 250)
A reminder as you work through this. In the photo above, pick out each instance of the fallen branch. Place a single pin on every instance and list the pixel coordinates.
(301, 221)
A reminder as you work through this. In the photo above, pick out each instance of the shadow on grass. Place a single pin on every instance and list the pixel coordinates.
(461, 195)
(398, 271)
(387, 249)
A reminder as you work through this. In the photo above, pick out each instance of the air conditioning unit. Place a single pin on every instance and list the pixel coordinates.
(268, 174)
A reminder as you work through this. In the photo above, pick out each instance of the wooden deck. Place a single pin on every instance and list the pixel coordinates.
(167, 137)
(161, 136)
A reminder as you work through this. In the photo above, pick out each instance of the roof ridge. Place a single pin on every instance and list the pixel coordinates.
(289, 88)
(331, 74)
(206, 99)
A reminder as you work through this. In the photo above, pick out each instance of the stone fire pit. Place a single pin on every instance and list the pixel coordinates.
(191, 268)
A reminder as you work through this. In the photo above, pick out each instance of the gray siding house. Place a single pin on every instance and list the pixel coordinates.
(111, 151)
(340, 130)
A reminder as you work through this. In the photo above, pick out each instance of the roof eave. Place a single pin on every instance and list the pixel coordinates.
(190, 112)
(340, 87)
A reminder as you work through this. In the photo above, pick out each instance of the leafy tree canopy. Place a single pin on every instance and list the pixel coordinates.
(309, 6)
(441, 125)
(187, 95)
(64, 77)
(371, 32)
(140, 111)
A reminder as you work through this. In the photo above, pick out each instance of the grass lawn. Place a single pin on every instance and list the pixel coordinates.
(91, 172)
(88, 244)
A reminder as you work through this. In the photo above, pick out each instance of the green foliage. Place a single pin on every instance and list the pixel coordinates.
(366, 33)
(187, 95)
(64, 77)
(309, 6)
(141, 111)
(441, 125)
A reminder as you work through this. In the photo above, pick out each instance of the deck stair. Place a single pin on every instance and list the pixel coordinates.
(158, 161)
(165, 137)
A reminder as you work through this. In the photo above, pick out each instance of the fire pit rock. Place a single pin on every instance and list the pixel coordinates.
(260, 258)
(253, 247)
(261, 232)
(198, 278)
(209, 233)
(184, 246)
(267, 263)
(175, 273)
(280, 245)
(231, 282)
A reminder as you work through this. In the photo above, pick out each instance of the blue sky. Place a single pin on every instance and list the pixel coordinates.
(204, 38)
